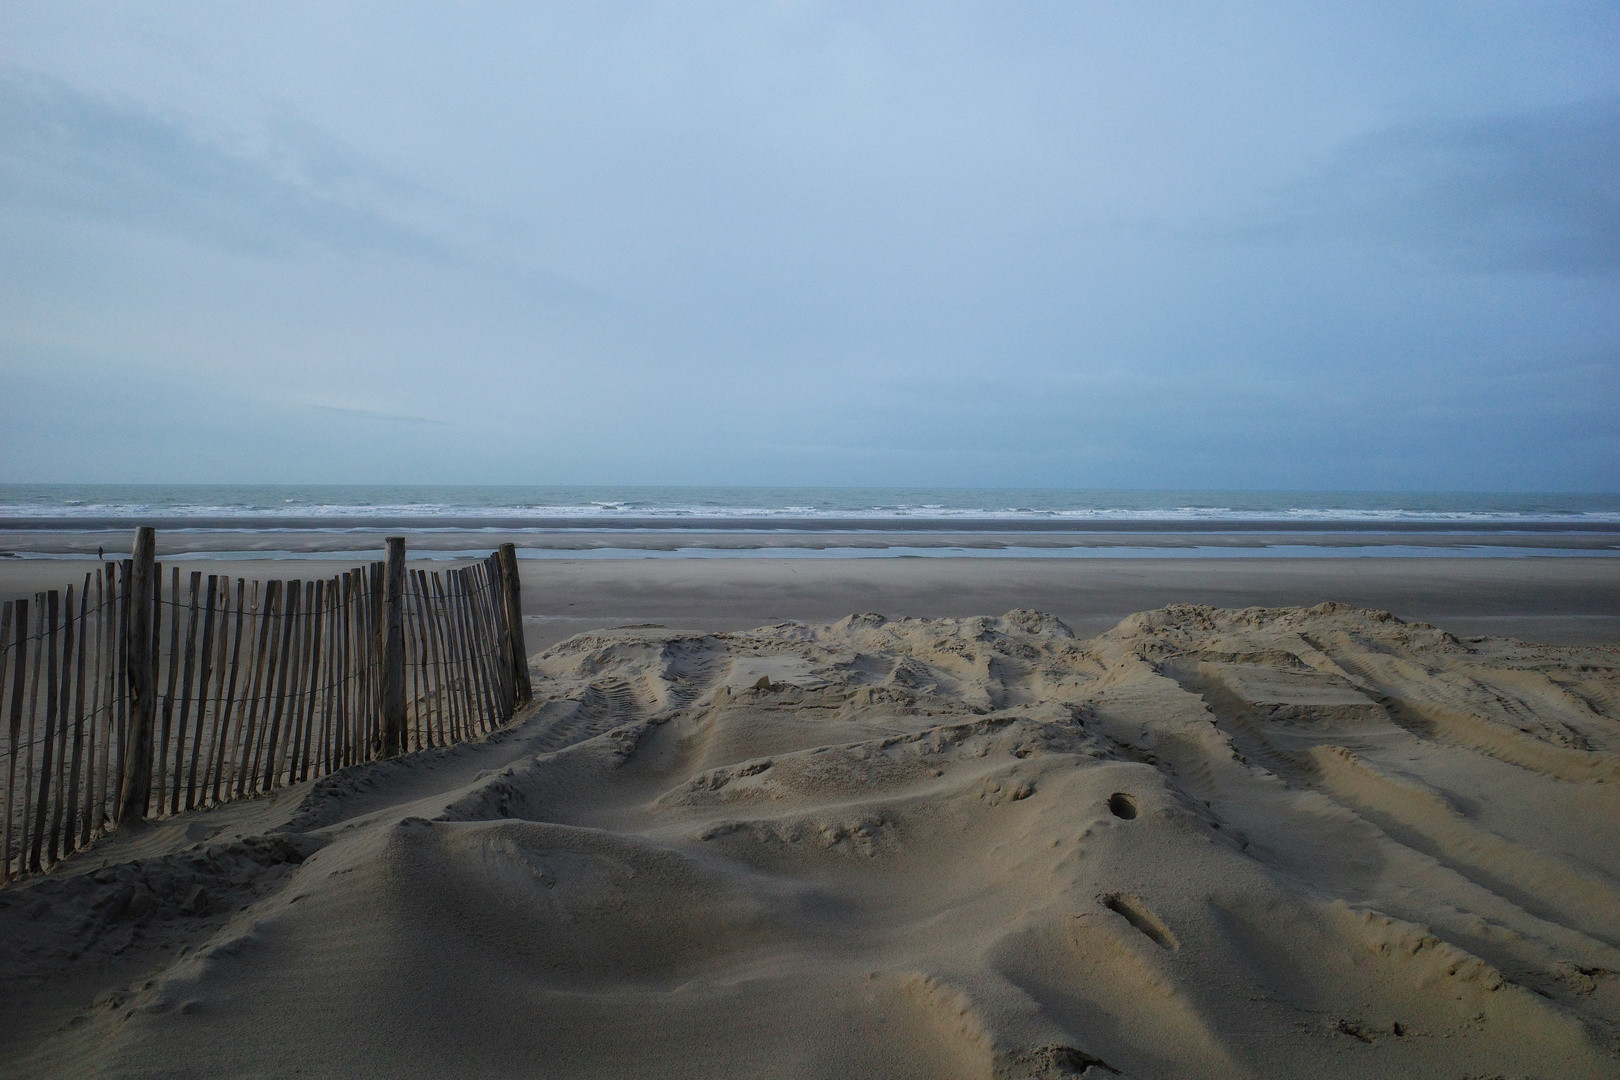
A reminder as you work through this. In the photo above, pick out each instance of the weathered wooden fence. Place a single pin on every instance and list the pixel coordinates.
(121, 700)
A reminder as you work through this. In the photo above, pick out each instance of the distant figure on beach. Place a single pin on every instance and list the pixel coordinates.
(101, 553)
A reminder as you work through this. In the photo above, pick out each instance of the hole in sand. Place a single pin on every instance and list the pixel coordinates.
(1122, 805)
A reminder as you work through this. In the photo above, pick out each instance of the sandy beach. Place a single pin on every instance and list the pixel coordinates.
(1552, 600)
(1287, 842)
(825, 817)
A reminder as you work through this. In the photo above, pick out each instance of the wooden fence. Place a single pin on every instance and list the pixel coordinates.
(121, 700)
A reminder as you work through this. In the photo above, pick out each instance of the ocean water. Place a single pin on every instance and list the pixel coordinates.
(303, 506)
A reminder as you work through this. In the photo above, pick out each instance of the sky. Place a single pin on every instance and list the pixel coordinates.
(1315, 245)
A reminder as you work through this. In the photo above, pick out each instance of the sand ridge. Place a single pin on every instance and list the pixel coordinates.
(1223, 843)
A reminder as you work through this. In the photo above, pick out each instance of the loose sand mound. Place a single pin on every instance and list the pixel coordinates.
(1316, 843)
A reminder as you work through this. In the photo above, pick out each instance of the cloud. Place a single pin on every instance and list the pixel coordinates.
(64, 153)
(1535, 192)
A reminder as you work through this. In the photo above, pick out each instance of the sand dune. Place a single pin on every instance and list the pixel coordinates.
(1208, 843)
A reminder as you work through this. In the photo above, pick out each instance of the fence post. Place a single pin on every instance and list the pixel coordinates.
(142, 673)
(393, 673)
(511, 590)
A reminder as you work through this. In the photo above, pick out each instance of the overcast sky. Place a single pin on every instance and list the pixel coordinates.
(1364, 245)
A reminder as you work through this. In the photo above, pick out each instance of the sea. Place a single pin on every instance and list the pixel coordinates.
(889, 522)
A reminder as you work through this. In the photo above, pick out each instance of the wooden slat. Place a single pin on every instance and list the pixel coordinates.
(374, 660)
(58, 725)
(355, 660)
(298, 687)
(410, 735)
(447, 681)
(435, 676)
(287, 685)
(340, 675)
(480, 694)
(372, 705)
(320, 727)
(429, 692)
(501, 647)
(373, 668)
(302, 693)
(456, 584)
(275, 671)
(418, 736)
(354, 692)
(362, 665)
(309, 672)
(107, 681)
(391, 670)
(188, 671)
(316, 671)
(288, 651)
(331, 713)
(112, 767)
(261, 625)
(297, 677)
(227, 710)
(7, 647)
(339, 744)
(361, 659)
(461, 674)
(90, 818)
(30, 712)
(70, 834)
(497, 643)
(270, 621)
(487, 647)
(356, 656)
(282, 732)
(206, 659)
(475, 630)
(14, 728)
(481, 636)
(160, 789)
(126, 570)
(416, 661)
(461, 670)
(325, 747)
(441, 650)
(58, 722)
(52, 642)
(512, 600)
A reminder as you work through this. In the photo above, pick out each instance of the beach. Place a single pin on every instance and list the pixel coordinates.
(1555, 600)
(904, 803)
(1286, 842)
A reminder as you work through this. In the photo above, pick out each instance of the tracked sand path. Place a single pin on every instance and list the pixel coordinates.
(1207, 843)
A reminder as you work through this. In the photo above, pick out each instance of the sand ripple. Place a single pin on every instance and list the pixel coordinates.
(1208, 843)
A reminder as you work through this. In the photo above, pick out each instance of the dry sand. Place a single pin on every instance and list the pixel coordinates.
(1261, 843)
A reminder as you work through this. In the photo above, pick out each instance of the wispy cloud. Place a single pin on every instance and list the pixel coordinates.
(1534, 192)
(65, 153)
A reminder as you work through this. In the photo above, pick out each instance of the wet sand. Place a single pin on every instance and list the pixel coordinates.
(1553, 600)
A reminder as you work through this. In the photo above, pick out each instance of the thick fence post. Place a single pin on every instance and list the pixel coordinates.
(142, 674)
(393, 673)
(512, 592)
